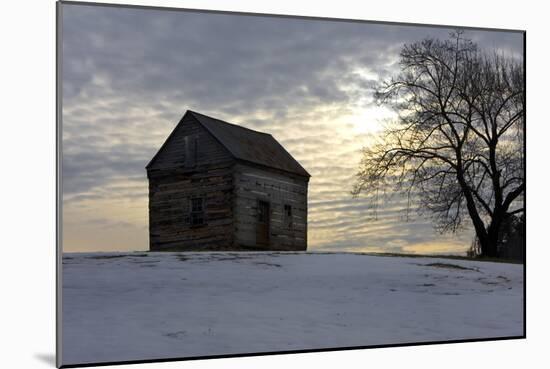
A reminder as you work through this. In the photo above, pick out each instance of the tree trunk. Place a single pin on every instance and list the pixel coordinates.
(488, 247)
(489, 240)
(492, 243)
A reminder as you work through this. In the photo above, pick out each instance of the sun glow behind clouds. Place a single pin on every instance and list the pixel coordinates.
(371, 120)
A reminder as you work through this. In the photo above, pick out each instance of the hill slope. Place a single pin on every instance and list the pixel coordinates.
(164, 305)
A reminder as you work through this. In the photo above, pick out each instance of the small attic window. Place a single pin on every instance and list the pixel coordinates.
(191, 150)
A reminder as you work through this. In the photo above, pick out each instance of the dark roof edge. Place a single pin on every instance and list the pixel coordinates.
(225, 122)
(166, 141)
(259, 165)
(291, 156)
(248, 161)
(212, 133)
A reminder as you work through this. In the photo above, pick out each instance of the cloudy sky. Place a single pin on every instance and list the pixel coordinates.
(128, 76)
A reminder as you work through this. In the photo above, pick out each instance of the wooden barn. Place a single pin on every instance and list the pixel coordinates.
(214, 185)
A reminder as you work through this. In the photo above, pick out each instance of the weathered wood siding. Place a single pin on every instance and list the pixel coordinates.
(174, 179)
(170, 193)
(252, 184)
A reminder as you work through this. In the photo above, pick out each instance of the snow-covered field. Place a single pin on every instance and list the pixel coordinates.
(163, 305)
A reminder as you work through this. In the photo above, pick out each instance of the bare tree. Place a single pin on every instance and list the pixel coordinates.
(457, 146)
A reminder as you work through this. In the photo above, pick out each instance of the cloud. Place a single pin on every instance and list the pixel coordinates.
(130, 74)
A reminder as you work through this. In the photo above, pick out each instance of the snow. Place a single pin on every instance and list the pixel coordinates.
(140, 306)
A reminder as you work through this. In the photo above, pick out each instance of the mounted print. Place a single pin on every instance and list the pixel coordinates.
(238, 184)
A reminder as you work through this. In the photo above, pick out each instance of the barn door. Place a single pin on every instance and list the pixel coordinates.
(262, 225)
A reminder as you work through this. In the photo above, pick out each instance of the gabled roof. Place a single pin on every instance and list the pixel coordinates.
(249, 145)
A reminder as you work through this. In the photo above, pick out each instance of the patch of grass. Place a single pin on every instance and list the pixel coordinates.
(176, 335)
(499, 280)
(146, 262)
(231, 257)
(490, 283)
(268, 264)
(102, 257)
(449, 266)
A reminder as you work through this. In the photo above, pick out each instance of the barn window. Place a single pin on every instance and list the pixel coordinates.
(288, 216)
(197, 211)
